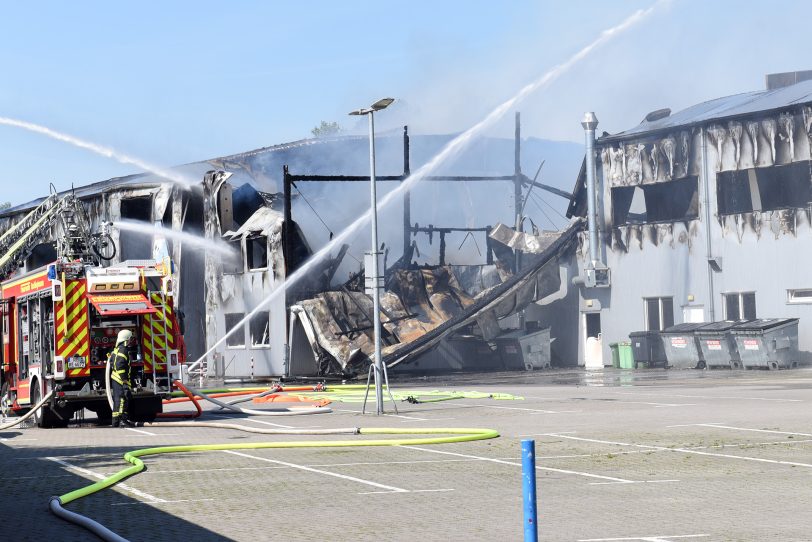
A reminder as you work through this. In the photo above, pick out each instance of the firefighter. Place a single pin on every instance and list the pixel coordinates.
(120, 379)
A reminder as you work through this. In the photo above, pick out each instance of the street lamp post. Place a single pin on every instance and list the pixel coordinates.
(376, 294)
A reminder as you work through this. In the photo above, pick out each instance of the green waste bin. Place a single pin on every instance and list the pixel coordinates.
(622, 355)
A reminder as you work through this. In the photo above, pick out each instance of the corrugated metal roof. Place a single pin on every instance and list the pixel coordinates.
(723, 108)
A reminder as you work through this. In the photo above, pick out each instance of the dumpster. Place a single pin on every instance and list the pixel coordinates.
(718, 345)
(622, 355)
(528, 351)
(768, 343)
(681, 348)
(647, 348)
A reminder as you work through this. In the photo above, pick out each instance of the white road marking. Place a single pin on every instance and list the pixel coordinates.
(712, 397)
(38, 477)
(637, 482)
(659, 538)
(685, 450)
(720, 426)
(263, 422)
(162, 502)
(415, 418)
(15, 439)
(527, 409)
(139, 493)
(153, 471)
(310, 469)
(688, 424)
(658, 405)
(142, 432)
(518, 464)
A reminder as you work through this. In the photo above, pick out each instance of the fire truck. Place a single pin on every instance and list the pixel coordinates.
(60, 322)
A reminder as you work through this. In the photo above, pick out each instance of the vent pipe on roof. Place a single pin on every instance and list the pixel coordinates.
(590, 122)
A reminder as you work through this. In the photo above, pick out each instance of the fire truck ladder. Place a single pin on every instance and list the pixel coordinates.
(19, 240)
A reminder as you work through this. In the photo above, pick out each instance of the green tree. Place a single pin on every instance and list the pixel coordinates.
(326, 129)
(5, 205)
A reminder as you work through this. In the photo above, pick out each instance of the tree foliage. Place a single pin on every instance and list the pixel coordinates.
(326, 129)
(5, 205)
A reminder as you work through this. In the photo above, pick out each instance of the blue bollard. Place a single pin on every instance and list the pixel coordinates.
(531, 533)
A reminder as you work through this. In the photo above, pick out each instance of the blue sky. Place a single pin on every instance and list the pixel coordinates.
(174, 82)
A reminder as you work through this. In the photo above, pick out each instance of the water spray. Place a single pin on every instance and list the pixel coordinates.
(107, 152)
(221, 248)
(452, 149)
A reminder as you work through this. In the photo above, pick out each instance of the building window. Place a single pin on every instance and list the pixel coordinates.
(740, 306)
(256, 252)
(659, 313)
(764, 189)
(232, 261)
(799, 296)
(237, 339)
(260, 329)
(669, 201)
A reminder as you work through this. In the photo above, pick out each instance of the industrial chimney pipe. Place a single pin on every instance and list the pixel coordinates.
(589, 123)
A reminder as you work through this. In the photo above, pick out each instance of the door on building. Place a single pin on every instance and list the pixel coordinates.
(694, 314)
(593, 350)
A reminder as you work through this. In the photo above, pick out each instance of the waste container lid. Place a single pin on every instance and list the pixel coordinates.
(642, 333)
(683, 328)
(763, 324)
(715, 327)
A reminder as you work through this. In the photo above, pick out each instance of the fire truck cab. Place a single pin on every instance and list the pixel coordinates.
(60, 322)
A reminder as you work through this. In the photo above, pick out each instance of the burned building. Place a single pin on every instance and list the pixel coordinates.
(232, 237)
(700, 216)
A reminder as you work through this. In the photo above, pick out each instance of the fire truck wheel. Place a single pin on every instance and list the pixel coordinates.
(35, 398)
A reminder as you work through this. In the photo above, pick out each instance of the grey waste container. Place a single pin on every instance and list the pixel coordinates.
(647, 348)
(768, 343)
(528, 351)
(718, 345)
(681, 348)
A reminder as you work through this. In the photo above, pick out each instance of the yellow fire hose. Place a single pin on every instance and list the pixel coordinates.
(451, 435)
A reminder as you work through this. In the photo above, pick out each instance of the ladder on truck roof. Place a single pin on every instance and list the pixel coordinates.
(19, 240)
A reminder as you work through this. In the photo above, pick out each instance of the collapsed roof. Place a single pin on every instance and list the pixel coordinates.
(420, 307)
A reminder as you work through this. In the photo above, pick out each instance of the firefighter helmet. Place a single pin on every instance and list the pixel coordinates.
(124, 336)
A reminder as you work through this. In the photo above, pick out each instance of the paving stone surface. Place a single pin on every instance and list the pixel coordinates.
(621, 455)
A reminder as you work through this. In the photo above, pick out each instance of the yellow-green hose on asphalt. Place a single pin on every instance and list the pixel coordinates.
(453, 435)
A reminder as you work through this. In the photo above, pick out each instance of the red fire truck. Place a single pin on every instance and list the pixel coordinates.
(60, 322)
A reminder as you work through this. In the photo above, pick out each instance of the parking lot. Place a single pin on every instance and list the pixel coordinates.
(621, 455)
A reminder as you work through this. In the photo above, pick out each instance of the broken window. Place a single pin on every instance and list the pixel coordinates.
(135, 245)
(659, 313)
(660, 202)
(260, 329)
(256, 252)
(740, 306)
(237, 339)
(764, 189)
(232, 262)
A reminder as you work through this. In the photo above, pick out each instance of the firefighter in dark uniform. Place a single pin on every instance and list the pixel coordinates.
(120, 378)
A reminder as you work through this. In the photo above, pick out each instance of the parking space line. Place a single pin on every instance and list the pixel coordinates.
(96, 475)
(528, 409)
(318, 471)
(227, 469)
(720, 426)
(141, 431)
(263, 422)
(685, 450)
(712, 397)
(657, 405)
(518, 464)
(658, 538)
(162, 502)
